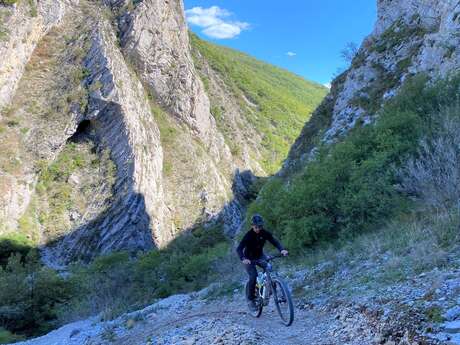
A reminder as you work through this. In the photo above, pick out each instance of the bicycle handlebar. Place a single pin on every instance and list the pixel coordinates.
(276, 256)
(269, 258)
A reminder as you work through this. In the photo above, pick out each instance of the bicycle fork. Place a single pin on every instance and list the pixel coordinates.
(265, 288)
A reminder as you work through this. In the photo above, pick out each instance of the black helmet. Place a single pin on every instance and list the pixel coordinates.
(257, 220)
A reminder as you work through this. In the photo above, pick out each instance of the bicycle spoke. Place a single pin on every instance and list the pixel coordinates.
(283, 303)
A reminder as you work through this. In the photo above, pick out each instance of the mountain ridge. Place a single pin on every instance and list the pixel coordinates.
(125, 68)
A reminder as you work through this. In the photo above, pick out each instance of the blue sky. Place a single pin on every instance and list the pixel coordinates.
(303, 36)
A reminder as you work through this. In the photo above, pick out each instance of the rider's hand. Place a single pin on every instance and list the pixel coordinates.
(246, 261)
(284, 252)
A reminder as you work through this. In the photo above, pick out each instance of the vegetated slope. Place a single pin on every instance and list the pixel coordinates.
(355, 185)
(102, 155)
(409, 37)
(341, 177)
(382, 179)
(273, 103)
(372, 181)
(174, 165)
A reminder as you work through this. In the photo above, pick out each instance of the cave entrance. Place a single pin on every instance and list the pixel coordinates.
(82, 132)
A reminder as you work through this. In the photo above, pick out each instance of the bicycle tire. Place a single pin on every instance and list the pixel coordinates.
(260, 306)
(280, 286)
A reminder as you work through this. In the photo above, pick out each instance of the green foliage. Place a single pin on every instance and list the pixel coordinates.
(56, 196)
(396, 34)
(434, 314)
(33, 8)
(7, 337)
(276, 102)
(168, 131)
(8, 2)
(33, 298)
(53, 183)
(4, 32)
(116, 283)
(29, 295)
(15, 243)
(350, 187)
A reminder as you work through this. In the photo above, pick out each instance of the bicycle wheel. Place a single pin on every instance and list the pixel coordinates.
(259, 304)
(283, 301)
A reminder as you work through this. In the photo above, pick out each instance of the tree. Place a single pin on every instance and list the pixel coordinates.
(349, 52)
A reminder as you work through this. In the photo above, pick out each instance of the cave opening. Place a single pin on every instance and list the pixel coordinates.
(82, 132)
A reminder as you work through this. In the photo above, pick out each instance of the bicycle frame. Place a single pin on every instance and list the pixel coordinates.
(272, 286)
(267, 270)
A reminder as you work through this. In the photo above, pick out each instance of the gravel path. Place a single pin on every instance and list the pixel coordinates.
(228, 322)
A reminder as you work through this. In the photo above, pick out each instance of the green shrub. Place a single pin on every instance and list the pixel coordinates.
(29, 295)
(33, 8)
(11, 244)
(8, 2)
(350, 187)
(116, 283)
(7, 337)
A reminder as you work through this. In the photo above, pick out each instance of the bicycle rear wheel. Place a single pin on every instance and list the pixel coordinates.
(259, 304)
(283, 301)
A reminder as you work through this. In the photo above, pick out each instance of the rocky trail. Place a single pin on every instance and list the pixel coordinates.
(191, 319)
(422, 310)
(228, 322)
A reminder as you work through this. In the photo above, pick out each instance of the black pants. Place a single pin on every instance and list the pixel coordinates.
(252, 273)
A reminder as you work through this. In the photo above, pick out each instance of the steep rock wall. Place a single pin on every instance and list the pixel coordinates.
(40, 116)
(23, 25)
(128, 74)
(410, 36)
(200, 167)
(155, 37)
(120, 114)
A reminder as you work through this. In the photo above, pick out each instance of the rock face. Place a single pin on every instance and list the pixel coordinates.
(116, 82)
(134, 99)
(410, 36)
(155, 37)
(119, 111)
(32, 128)
(22, 28)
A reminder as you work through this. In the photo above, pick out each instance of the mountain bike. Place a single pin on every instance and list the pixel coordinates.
(269, 284)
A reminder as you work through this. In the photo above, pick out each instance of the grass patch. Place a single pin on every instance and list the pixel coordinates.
(398, 33)
(276, 103)
(434, 314)
(57, 196)
(8, 2)
(33, 8)
(168, 130)
(4, 32)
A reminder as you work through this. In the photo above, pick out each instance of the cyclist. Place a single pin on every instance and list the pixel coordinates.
(251, 249)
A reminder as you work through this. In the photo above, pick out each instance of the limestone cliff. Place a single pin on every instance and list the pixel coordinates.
(107, 137)
(22, 28)
(410, 36)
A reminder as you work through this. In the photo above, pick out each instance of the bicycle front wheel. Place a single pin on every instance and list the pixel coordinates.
(283, 301)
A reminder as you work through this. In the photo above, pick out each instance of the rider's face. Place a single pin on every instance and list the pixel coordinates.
(256, 229)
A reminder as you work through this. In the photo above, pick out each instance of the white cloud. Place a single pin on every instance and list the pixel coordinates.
(328, 85)
(225, 30)
(291, 54)
(214, 21)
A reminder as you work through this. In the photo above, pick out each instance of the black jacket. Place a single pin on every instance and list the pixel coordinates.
(252, 244)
